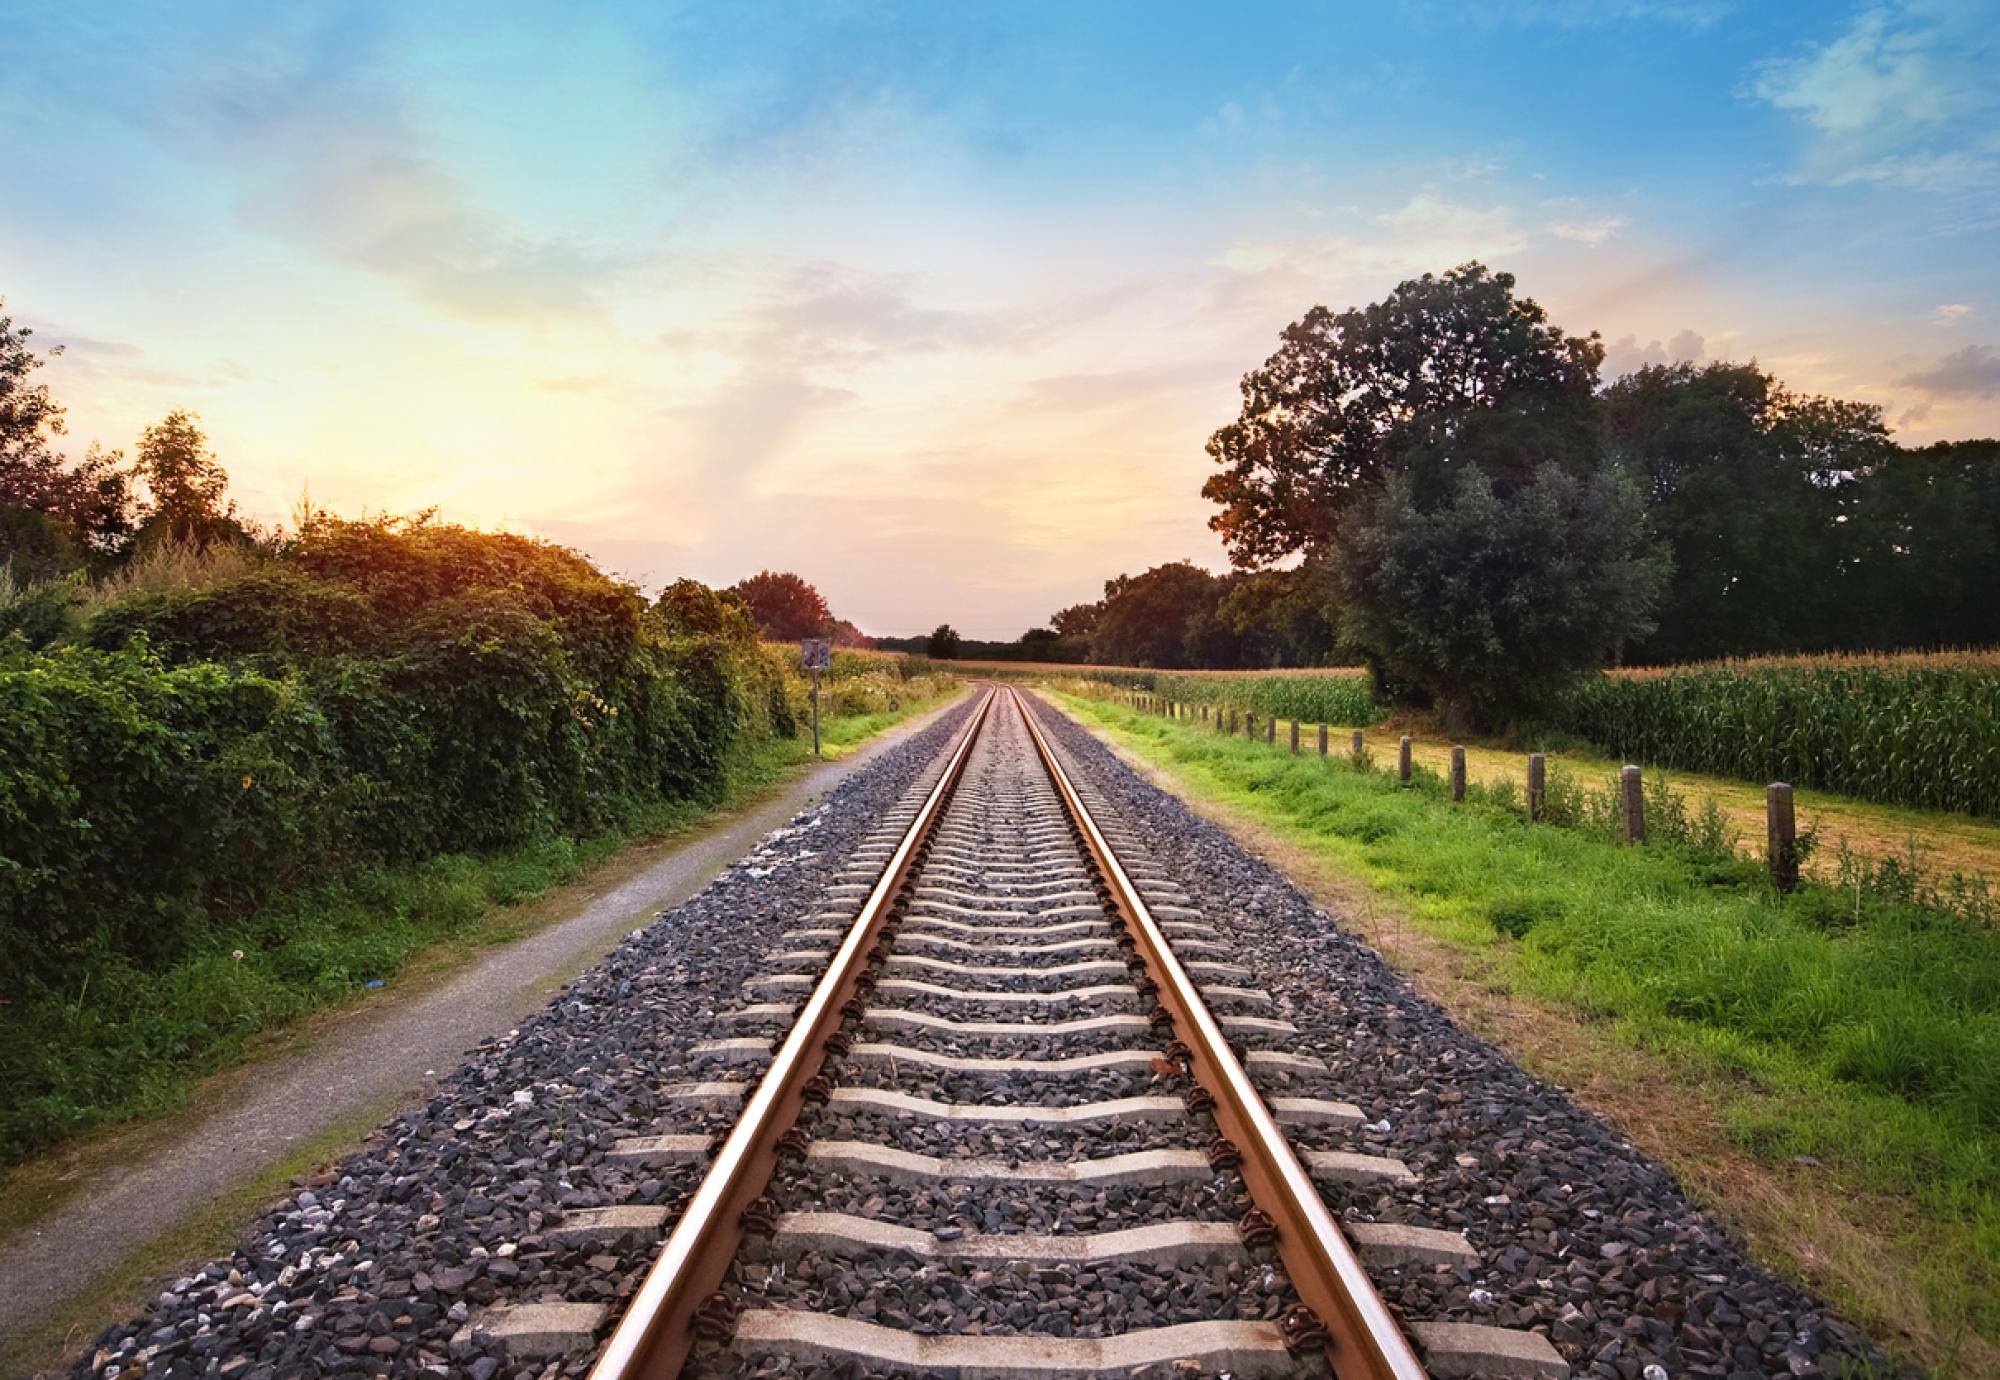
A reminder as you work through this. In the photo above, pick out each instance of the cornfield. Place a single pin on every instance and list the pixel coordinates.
(1917, 732)
(1313, 697)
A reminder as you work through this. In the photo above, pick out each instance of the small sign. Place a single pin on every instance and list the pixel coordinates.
(815, 654)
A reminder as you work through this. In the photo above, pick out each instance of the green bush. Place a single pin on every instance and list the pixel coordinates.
(372, 699)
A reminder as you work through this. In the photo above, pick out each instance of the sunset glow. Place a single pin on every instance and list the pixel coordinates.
(938, 306)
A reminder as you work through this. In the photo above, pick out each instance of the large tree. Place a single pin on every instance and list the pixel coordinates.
(1447, 370)
(1146, 617)
(784, 605)
(89, 499)
(1443, 450)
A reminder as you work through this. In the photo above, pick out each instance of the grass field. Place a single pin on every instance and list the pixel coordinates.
(1859, 1033)
(1938, 843)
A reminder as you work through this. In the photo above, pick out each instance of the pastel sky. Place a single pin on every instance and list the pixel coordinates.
(936, 304)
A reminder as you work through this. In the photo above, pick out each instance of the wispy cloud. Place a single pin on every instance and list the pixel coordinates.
(1950, 314)
(1591, 232)
(1901, 97)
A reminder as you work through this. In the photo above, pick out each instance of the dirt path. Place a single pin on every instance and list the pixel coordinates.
(381, 1056)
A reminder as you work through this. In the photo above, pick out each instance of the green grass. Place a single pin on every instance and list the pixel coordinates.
(1864, 1032)
(130, 1042)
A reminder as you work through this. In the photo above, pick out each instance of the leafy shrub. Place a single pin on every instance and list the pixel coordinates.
(232, 732)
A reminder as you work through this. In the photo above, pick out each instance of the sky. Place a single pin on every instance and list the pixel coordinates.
(937, 304)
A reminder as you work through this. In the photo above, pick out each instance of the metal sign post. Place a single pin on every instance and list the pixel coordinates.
(815, 655)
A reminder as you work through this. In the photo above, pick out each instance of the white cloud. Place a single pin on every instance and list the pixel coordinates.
(1950, 314)
(1591, 231)
(1900, 98)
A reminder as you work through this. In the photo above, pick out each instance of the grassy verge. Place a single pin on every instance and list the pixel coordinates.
(133, 1046)
(1831, 1069)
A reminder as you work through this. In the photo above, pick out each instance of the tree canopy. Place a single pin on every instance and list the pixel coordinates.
(1447, 370)
(785, 606)
(943, 643)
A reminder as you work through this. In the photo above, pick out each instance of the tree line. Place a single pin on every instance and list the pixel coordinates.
(1441, 487)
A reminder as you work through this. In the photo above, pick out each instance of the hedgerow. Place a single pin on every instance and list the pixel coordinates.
(373, 696)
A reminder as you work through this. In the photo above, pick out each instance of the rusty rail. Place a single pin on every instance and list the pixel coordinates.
(1363, 1341)
(653, 1338)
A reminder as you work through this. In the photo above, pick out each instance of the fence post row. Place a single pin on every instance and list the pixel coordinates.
(1781, 836)
(1634, 797)
(1537, 784)
(1457, 772)
(1403, 760)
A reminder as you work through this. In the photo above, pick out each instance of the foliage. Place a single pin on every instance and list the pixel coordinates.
(1452, 368)
(1906, 733)
(186, 485)
(372, 695)
(785, 606)
(943, 642)
(88, 500)
(1145, 618)
(1792, 520)
(1495, 598)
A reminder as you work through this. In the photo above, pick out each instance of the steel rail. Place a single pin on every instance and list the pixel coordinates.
(655, 1334)
(1363, 1339)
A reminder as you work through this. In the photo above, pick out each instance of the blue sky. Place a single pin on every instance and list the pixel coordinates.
(937, 303)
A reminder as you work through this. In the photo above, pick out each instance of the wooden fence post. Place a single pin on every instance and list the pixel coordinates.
(1358, 748)
(1403, 760)
(1633, 795)
(1457, 772)
(1232, 723)
(1322, 740)
(1537, 785)
(1295, 737)
(1270, 728)
(1782, 836)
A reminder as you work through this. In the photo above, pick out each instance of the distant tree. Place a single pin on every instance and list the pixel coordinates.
(1078, 620)
(1446, 371)
(845, 634)
(1924, 548)
(1040, 639)
(1487, 602)
(1755, 491)
(90, 498)
(785, 606)
(1146, 617)
(943, 643)
(186, 486)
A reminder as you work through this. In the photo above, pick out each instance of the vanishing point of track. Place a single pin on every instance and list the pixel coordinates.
(997, 912)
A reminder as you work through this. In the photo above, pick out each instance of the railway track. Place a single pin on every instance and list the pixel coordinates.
(1023, 1117)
